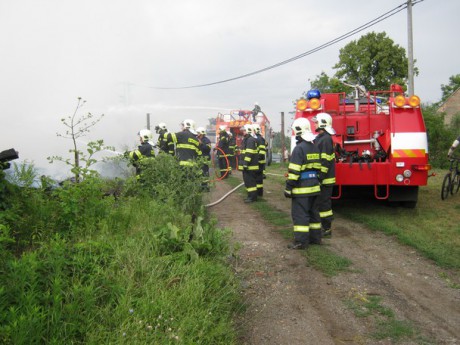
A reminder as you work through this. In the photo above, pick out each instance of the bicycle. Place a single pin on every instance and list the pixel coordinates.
(451, 182)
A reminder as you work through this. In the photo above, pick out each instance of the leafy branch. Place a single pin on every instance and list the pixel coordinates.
(77, 127)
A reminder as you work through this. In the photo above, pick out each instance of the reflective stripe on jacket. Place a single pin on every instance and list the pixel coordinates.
(187, 147)
(304, 166)
(249, 154)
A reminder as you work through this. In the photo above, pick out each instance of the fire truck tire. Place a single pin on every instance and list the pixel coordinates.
(405, 196)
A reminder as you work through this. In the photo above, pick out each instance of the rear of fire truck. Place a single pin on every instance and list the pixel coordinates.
(236, 119)
(380, 143)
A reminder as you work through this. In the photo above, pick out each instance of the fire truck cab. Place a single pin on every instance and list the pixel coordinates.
(380, 141)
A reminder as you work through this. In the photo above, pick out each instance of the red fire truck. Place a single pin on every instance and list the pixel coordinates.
(381, 142)
(235, 119)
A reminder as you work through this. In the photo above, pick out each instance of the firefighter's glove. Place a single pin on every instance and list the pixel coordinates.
(288, 193)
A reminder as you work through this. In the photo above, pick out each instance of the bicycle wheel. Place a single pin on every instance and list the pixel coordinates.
(455, 184)
(446, 187)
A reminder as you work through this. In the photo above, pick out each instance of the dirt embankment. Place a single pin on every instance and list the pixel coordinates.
(289, 302)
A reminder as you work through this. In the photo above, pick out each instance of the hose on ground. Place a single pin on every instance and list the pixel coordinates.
(226, 195)
(275, 174)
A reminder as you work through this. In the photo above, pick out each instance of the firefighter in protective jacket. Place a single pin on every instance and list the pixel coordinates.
(144, 150)
(261, 147)
(205, 148)
(187, 144)
(302, 185)
(249, 162)
(162, 132)
(222, 153)
(323, 141)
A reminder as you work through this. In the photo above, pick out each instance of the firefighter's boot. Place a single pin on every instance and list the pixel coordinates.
(315, 236)
(326, 232)
(297, 245)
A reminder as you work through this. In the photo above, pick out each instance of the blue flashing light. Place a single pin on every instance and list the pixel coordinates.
(313, 94)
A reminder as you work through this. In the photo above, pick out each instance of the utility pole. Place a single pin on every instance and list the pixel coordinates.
(148, 120)
(283, 144)
(410, 53)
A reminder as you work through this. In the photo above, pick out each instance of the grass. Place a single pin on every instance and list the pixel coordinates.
(385, 323)
(146, 273)
(326, 261)
(432, 227)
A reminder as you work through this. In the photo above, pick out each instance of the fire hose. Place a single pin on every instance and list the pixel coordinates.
(226, 195)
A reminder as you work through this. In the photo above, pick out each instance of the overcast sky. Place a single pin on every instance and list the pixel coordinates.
(112, 52)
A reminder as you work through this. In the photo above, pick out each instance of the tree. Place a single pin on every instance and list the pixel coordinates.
(440, 137)
(277, 143)
(447, 90)
(374, 61)
(327, 84)
(77, 127)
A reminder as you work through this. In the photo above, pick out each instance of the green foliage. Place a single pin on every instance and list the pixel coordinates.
(440, 137)
(106, 262)
(373, 61)
(276, 143)
(453, 85)
(327, 84)
(164, 179)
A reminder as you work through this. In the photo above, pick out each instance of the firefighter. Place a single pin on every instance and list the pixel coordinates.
(255, 111)
(145, 149)
(171, 143)
(261, 148)
(187, 144)
(453, 147)
(303, 186)
(323, 141)
(222, 153)
(162, 132)
(249, 162)
(231, 151)
(205, 148)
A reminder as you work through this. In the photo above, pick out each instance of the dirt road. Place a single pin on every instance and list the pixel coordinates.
(289, 302)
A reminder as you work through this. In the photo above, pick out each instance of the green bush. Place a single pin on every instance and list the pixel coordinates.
(142, 265)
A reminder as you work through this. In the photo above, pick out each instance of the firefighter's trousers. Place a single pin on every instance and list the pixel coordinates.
(205, 170)
(306, 220)
(223, 165)
(260, 182)
(323, 205)
(249, 179)
(232, 161)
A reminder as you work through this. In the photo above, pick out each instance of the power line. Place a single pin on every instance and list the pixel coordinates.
(367, 25)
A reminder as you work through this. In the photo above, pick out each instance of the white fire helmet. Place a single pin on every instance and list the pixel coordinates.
(248, 128)
(190, 125)
(145, 135)
(160, 127)
(222, 128)
(302, 128)
(324, 121)
(256, 128)
(201, 130)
